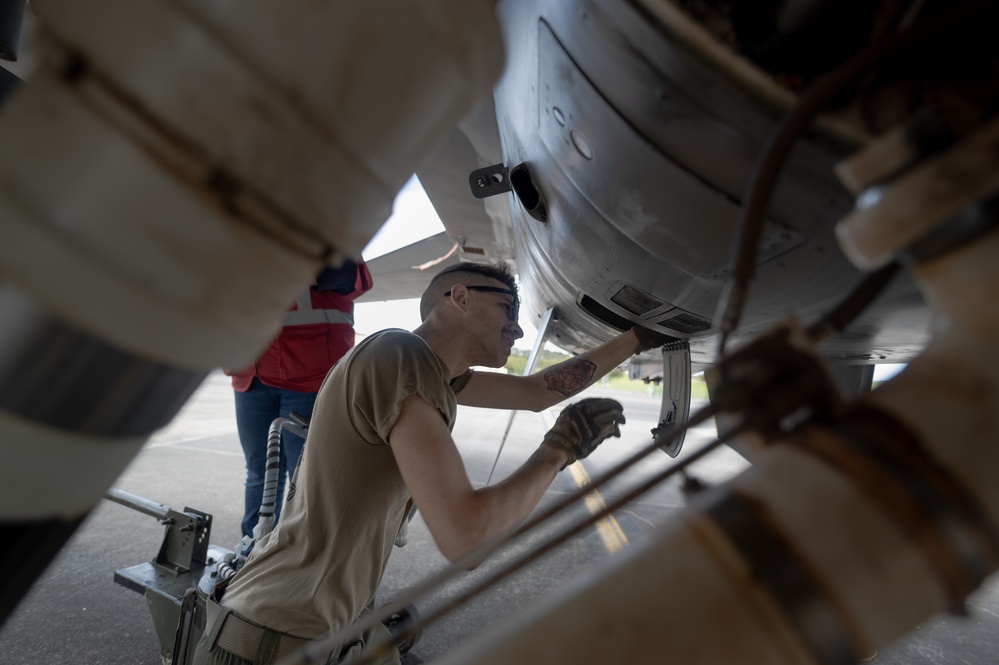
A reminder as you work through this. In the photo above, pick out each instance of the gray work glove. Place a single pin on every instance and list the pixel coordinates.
(650, 339)
(583, 425)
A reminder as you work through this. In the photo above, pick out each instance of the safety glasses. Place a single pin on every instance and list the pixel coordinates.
(515, 306)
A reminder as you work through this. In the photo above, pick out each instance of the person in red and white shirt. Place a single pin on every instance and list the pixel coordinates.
(316, 332)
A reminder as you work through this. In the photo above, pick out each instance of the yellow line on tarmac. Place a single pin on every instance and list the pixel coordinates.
(608, 528)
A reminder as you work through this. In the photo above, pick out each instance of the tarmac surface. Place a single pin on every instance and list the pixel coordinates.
(75, 613)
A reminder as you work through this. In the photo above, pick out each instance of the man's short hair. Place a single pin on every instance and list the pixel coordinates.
(465, 272)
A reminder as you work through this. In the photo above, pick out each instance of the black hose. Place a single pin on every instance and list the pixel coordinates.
(272, 478)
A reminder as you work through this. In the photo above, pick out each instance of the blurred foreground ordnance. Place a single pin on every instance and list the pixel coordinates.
(173, 173)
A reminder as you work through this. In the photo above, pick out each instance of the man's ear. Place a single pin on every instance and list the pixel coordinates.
(459, 297)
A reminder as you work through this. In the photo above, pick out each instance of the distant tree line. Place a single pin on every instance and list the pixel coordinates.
(518, 361)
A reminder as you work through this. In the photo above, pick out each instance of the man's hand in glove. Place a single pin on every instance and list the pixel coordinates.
(650, 339)
(583, 425)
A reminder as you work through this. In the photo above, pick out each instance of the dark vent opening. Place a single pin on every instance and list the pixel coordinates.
(687, 323)
(473, 250)
(522, 182)
(594, 308)
(523, 187)
(636, 301)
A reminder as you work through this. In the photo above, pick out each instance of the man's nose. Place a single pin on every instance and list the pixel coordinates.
(518, 332)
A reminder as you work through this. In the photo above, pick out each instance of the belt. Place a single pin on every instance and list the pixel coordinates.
(242, 637)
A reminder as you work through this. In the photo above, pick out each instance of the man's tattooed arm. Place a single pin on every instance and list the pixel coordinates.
(571, 376)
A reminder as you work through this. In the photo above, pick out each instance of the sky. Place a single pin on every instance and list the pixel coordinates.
(414, 218)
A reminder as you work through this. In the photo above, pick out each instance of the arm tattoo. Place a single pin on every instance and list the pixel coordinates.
(570, 377)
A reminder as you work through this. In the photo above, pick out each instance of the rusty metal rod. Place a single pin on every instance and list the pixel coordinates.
(314, 652)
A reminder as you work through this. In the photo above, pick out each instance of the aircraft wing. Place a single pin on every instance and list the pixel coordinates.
(406, 272)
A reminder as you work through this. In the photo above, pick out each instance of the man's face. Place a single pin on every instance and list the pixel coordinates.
(495, 308)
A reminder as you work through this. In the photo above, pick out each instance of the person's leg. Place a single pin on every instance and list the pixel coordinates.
(255, 410)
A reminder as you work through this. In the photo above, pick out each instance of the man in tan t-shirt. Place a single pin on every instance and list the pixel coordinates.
(380, 436)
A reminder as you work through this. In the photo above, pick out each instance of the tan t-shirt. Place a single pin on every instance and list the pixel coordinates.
(324, 561)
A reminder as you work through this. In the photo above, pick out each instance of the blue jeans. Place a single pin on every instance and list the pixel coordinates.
(256, 409)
